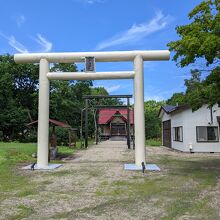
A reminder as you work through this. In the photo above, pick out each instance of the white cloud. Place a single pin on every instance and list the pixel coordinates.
(154, 97)
(113, 88)
(94, 1)
(17, 45)
(137, 32)
(109, 88)
(14, 43)
(20, 19)
(90, 1)
(154, 93)
(160, 94)
(45, 44)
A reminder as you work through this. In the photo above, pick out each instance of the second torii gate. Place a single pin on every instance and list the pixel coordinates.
(138, 58)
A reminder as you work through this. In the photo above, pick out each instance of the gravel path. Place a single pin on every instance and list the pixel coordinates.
(92, 184)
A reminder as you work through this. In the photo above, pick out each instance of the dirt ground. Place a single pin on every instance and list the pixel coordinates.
(92, 184)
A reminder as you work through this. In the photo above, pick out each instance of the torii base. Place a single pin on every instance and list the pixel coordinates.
(49, 167)
(149, 167)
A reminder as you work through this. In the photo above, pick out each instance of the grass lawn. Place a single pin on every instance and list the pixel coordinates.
(14, 155)
(154, 142)
(188, 186)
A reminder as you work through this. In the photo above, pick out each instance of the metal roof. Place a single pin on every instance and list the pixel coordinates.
(106, 115)
(54, 122)
(173, 108)
(169, 108)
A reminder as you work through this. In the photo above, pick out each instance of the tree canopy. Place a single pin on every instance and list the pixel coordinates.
(177, 99)
(152, 121)
(199, 44)
(19, 97)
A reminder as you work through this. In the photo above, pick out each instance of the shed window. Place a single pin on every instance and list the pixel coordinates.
(178, 134)
(207, 133)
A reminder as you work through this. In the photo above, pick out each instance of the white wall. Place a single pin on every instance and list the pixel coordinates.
(201, 117)
(165, 116)
(177, 120)
(189, 120)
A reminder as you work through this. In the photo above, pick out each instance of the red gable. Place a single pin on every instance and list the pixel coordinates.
(106, 115)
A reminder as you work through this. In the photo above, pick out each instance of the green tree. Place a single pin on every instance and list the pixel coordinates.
(195, 92)
(99, 91)
(152, 121)
(177, 98)
(18, 98)
(212, 84)
(66, 97)
(200, 44)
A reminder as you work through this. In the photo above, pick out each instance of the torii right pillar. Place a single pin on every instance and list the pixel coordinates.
(139, 121)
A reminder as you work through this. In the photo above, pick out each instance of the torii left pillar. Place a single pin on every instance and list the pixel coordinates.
(139, 121)
(43, 116)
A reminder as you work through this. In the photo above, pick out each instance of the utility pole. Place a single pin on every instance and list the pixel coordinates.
(128, 124)
(86, 123)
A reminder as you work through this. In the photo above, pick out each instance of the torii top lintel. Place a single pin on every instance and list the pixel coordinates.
(104, 56)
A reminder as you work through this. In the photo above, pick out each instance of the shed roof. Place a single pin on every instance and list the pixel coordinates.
(169, 108)
(106, 115)
(54, 122)
(173, 108)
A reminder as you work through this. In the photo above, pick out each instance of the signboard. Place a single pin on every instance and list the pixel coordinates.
(89, 64)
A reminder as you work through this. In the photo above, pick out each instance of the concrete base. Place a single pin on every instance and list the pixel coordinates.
(49, 167)
(149, 167)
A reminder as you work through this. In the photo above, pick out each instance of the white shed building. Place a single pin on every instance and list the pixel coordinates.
(190, 131)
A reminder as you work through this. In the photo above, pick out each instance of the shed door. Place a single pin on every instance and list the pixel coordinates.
(167, 133)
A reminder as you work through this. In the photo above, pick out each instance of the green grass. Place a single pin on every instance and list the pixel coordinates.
(23, 212)
(14, 152)
(178, 189)
(154, 142)
(61, 173)
(12, 156)
(131, 189)
(178, 192)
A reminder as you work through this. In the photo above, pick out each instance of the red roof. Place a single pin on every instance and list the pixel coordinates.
(54, 122)
(106, 115)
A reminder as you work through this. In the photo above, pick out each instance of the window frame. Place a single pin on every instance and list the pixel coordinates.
(207, 141)
(174, 136)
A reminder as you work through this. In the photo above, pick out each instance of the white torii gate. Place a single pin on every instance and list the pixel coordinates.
(138, 57)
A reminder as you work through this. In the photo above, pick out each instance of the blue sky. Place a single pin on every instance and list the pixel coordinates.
(100, 25)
